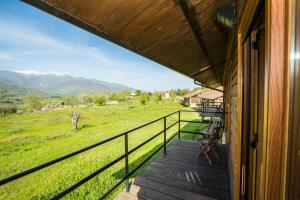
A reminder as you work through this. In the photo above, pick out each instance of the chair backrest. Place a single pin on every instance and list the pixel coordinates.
(216, 134)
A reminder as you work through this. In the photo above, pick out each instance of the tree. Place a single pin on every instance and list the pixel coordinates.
(138, 92)
(146, 96)
(71, 100)
(159, 98)
(181, 92)
(143, 100)
(114, 97)
(33, 102)
(75, 116)
(99, 100)
(87, 99)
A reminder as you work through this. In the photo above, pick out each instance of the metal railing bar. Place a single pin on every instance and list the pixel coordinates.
(142, 144)
(199, 122)
(84, 180)
(192, 132)
(52, 162)
(172, 125)
(201, 111)
(171, 114)
(112, 189)
(141, 164)
(170, 138)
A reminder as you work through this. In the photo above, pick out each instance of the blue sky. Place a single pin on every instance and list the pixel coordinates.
(32, 41)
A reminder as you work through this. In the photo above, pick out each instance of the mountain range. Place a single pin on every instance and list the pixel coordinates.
(11, 82)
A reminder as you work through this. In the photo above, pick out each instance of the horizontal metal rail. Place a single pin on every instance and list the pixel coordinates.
(52, 162)
(84, 180)
(199, 122)
(102, 169)
(128, 173)
(192, 132)
(201, 111)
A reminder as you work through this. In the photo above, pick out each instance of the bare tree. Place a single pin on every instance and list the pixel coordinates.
(75, 116)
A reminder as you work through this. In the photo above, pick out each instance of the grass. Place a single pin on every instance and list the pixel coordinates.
(27, 140)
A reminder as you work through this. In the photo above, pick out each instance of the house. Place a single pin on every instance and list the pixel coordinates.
(191, 99)
(165, 94)
(251, 48)
(195, 98)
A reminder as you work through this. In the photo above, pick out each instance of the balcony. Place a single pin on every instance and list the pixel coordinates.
(181, 174)
(173, 167)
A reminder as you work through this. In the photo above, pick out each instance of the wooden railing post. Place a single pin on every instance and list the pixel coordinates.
(165, 135)
(179, 124)
(126, 162)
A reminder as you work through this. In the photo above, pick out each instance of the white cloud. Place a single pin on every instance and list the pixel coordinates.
(5, 56)
(44, 53)
(40, 73)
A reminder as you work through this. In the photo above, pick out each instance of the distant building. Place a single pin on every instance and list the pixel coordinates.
(132, 94)
(165, 94)
(195, 98)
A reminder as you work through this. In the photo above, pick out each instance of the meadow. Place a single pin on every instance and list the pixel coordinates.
(29, 139)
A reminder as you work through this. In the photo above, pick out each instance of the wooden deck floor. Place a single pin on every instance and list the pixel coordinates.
(180, 174)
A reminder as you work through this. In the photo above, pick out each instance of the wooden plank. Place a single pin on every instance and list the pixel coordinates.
(210, 173)
(216, 182)
(192, 166)
(186, 185)
(169, 190)
(146, 193)
(276, 27)
(200, 161)
(127, 196)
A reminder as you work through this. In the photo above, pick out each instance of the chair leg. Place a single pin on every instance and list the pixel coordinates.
(201, 151)
(208, 158)
(216, 154)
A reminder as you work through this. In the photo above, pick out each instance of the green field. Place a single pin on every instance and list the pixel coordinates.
(27, 140)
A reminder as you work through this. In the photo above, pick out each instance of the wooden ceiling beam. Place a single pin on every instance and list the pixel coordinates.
(190, 16)
(203, 69)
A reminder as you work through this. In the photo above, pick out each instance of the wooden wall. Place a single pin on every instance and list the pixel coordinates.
(232, 100)
(275, 86)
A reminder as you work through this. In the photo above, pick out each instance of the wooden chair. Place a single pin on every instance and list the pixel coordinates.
(210, 144)
(215, 122)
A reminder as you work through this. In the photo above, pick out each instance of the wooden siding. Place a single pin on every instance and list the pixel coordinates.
(232, 118)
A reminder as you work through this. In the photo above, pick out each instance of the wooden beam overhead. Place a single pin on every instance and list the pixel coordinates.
(203, 69)
(190, 16)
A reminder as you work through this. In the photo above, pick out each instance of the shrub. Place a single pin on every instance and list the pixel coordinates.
(99, 101)
(138, 92)
(33, 102)
(143, 101)
(6, 109)
(159, 97)
(71, 100)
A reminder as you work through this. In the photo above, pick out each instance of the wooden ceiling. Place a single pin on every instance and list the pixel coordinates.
(179, 34)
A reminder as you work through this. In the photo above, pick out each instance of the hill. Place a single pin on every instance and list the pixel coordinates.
(57, 84)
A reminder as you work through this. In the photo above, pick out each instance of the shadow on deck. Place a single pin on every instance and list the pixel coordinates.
(180, 174)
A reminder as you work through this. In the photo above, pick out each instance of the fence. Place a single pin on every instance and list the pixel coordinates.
(125, 156)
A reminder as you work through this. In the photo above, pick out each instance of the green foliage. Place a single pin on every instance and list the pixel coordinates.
(138, 92)
(71, 100)
(7, 109)
(114, 97)
(158, 97)
(87, 99)
(33, 102)
(173, 93)
(99, 100)
(181, 92)
(143, 100)
(30, 139)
